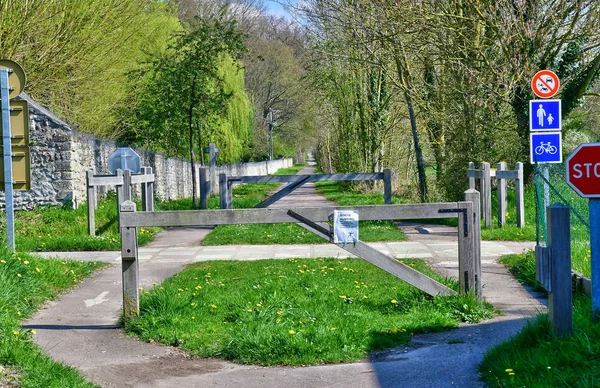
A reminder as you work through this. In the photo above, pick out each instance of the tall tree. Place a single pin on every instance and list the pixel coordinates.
(183, 91)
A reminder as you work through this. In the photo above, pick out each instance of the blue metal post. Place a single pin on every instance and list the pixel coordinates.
(7, 155)
(595, 259)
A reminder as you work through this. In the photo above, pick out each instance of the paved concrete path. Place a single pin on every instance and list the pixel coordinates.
(81, 329)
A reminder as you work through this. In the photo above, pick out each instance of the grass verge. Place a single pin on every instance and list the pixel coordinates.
(293, 312)
(537, 358)
(27, 282)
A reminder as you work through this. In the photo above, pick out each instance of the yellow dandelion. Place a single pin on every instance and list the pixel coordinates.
(19, 275)
(249, 310)
(3, 261)
(511, 373)
(37, 269)
(333, 329)
(33, 331)
(212, 306)
(292, 332)
(508, 370)
(26, 262)
(259, 305)
(394, 301)
(16, 332)
(279, 312)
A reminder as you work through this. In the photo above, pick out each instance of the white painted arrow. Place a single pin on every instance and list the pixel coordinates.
(97, 300)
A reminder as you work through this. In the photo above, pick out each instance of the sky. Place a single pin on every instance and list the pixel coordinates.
(276, 9)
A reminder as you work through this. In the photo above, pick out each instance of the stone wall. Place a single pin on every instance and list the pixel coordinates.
(61, 155)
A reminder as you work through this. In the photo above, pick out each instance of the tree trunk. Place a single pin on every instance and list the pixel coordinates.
(403, 75)
(418, 151)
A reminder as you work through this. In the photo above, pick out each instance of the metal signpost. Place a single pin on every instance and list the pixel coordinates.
(583, 175)
(15, 152)
(544, 116)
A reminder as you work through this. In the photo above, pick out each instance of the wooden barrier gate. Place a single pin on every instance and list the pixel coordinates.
(294, 182)
(146, 179)
(315, 220)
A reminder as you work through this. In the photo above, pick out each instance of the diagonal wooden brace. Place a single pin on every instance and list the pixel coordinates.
(283, 192)
(381, 260)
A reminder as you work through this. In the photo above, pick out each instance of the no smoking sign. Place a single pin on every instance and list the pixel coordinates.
(545, 84)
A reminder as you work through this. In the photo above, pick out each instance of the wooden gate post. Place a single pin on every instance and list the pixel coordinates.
(387, 186)
(130, 266)
(204, 188)
(473, 196)
(147, 191)
(486, 194)
(91, 202)
(471, 178)
(223, 192)
(466, 248)
(560, 303)
(501, 194)
(520, 195)
(212, 164)
(127, 185)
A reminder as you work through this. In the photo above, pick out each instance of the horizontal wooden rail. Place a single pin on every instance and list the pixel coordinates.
(308, 178)
(273, 215)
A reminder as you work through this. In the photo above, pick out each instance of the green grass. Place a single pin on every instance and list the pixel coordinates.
(27, 282)
(537, 358)
(49, 229)
(293, 312)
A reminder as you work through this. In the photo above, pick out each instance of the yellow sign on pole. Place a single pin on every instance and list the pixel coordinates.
(19, 130)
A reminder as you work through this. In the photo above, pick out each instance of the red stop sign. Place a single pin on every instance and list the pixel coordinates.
(583, 170)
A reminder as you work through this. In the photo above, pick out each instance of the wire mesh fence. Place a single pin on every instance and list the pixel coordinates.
(550, 188)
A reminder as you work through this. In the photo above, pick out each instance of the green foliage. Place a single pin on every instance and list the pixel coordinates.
(253, 312)
(27, 282)
(233, 131)
(182, 94)
(76, 53)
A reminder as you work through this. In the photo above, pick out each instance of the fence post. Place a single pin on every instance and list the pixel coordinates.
(129, 266)
(127, 185)
(501, 194)
(204, 188)
(144, 190)
(560, 304)
(150, 191)
(471, 179)
(474, 197)
(223, 191)
(466, 260)
(212, 165)
(486, 193)
(91, 202)
(520, 195)
(387, 186)
(119, 190)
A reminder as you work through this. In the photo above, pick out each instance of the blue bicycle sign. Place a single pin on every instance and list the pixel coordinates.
(545, 147)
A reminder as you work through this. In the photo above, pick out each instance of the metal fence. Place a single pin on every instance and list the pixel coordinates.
(551, 187)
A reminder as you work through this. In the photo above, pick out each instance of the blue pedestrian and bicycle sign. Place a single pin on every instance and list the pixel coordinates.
(544, 115)
(546, 147)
